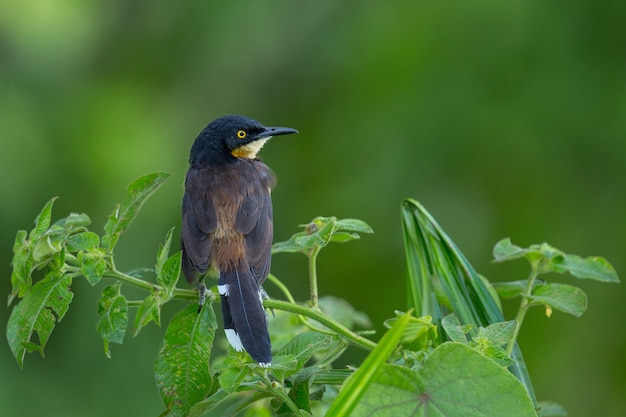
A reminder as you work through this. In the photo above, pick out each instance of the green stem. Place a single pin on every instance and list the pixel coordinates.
(323, 319)
(313, 275)
(523, 307)
(136, 282)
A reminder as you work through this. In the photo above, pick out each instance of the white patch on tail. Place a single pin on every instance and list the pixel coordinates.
(223, 290)
(233, 339)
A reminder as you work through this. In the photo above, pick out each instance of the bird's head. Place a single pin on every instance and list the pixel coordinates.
(232, 136)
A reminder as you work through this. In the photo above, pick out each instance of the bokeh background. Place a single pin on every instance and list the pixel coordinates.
(505, 119)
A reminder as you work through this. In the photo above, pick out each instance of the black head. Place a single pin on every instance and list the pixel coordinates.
(231, 137)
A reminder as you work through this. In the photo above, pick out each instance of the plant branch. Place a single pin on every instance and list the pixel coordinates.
(317, 315)
(524, 305)
(313, 275)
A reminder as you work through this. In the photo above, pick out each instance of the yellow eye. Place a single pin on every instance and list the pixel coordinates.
(241, 134)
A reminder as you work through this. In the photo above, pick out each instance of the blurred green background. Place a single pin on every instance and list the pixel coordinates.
(502, 118)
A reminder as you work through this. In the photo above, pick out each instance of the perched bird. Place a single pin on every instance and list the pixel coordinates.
(227, 224)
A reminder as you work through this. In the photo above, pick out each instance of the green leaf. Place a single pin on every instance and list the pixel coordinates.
(593, 267)
(440, 279)
(42, 221)
(550, 409)
(168, 274)
(38, 312)
(301, 348)
(510, 289)
(355, 386)
(125, 213)
(566, 298)
(453, 328)
(149, 310)
(113, 312)
(321, 231)
(74, 220)
(504, 250)
(164, 252)
(498, 334)
(84, 241)
(419, 334)
(22, 263)
(182, 366)
(231, 377)
(454, 381)
(92, 265)
(353, 225)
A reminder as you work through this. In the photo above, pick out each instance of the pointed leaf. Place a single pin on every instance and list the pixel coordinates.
(164, 252)
(168, 275)
(149, 310)
(182, 366)
(113, 312)
(353, 225)
(592, 267)
(125, 213)
(42, 221)
(566, 298)
(38, 312)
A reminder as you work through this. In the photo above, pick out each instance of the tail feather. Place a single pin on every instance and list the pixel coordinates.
(245, 321)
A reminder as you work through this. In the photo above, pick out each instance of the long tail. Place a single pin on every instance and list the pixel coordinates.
(245, 321)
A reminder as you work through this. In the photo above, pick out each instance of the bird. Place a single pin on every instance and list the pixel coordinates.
(227, 225)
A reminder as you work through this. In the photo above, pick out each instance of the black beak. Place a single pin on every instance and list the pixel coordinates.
(275, 131)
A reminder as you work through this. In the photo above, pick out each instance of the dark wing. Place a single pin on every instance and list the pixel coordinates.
(199, 221)
(254, 221)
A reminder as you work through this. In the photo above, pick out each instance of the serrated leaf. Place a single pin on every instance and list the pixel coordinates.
(125, 213)
(92, 266)
(498, 334)
(168, 274)
(356, 385)
(182, 366)
(113, 312)
(84, 241)
(301, 348)
(149, 310)
(42, 221)
(454, 381)
(22, 264)
(566, 298)
(38, 312)
(593, 267)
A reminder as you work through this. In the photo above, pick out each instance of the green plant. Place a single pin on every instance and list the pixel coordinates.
(448, 354)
